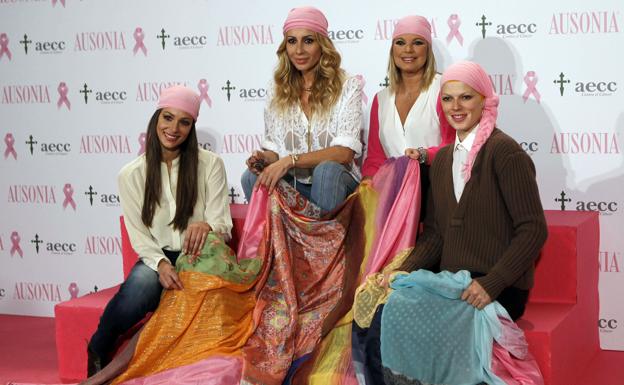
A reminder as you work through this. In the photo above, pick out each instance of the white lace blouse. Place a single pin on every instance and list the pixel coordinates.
(287, 133)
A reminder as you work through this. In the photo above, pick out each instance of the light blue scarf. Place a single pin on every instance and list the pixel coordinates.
(429, 334)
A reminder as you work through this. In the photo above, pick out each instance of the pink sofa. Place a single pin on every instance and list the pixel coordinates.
(77, 319)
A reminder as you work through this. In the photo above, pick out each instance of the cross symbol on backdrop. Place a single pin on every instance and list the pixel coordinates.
(91, 193)
(85, 90)
(36, 241)
(563, 200)
(25, 42)
(30, 142)
(233, 195)
(482, 24)
(228, 88)
(561, 82)
(162, 37)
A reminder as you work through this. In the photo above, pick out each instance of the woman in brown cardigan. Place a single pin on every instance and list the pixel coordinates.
(485, 213)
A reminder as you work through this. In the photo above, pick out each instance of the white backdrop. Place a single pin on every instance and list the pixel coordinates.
(79, 81)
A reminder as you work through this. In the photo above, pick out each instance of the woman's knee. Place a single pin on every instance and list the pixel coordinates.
(329, 166)
(142, 282)
(248, 180)
(328, 171)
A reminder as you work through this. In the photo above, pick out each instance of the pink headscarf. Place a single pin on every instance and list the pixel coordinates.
(182, 98)
(473, 75)
(306, 17)
(414, 24)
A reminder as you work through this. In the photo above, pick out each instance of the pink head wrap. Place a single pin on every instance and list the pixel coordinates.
(182, 98)
(416, 25)
(474, 75)
(306, 17)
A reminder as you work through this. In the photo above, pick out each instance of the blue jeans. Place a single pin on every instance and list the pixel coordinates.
(137, 296)
(331, 185)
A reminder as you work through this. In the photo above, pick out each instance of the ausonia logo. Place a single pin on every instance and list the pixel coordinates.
(150, 91)
(235, 35)
(588, 22)
(587, 143)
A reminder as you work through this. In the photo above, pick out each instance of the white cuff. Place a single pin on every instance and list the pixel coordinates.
(268, 145)
(347, 141)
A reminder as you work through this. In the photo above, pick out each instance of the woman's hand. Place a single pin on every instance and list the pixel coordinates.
(257, 162)
(274, 172)
(476, 295)
(412, 153)
(195, 237)
(167, 276)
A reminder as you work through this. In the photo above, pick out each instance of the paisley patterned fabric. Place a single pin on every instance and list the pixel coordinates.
(294, 280)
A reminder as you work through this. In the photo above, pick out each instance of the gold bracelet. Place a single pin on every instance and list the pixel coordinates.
(294, 158)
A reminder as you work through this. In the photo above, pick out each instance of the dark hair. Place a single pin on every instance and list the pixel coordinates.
(186, 194)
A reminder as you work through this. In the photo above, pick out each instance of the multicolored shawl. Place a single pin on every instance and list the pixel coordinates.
(211, 318)
(310, 285)
(249, 319)
(391, 206)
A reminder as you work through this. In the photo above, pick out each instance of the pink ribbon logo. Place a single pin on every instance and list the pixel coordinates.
(363, 83)
(56, 1)
(138, 41)
(68, 190)
(15, 246)
(4, 46)
(454, 23)
(62, 91)
(9, 140)
(203, 92)
(530, 79)
(73, 290)
(141, 143)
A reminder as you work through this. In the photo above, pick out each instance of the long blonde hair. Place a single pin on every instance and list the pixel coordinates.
(327, 87)
(394, 74)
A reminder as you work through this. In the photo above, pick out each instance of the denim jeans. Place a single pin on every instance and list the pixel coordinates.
(331, 185)
(137, 296)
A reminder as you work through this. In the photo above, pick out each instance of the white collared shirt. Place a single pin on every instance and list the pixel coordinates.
(212, 205)
(460, 156)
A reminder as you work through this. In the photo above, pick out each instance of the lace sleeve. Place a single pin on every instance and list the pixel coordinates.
(349, 117)
(270, 140)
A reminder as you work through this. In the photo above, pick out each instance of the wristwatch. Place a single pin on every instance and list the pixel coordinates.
(423, 154)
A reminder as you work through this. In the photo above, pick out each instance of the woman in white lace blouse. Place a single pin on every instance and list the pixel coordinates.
(312, 118)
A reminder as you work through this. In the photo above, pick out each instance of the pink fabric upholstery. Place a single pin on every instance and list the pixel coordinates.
(562, 314)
